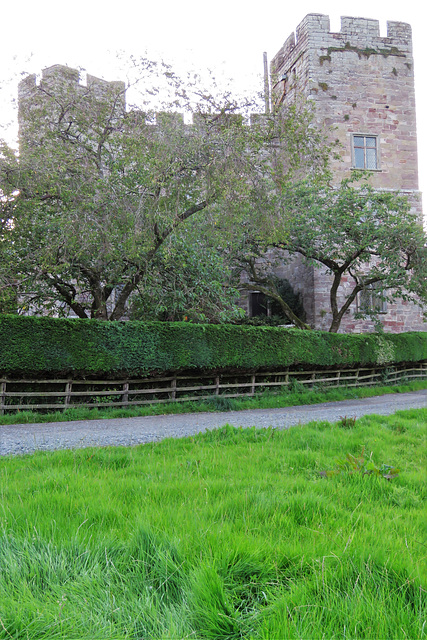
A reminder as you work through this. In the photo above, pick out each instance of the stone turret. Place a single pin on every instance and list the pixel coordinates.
(362, 84)
(61, 95)
(362, 88)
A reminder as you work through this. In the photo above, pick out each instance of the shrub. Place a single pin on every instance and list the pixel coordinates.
(30, 345)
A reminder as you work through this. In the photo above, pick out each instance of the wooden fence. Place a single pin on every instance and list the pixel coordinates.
(18, 395)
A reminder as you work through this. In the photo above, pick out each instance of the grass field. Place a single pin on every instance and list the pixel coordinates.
(235, 533)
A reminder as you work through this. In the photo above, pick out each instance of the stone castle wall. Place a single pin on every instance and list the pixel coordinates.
(61, 80)
(400, 316)
(59, 96)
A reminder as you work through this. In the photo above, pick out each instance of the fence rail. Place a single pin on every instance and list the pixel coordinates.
(18, 395)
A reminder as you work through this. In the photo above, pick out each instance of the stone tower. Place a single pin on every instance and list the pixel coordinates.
(59, 101)
(362, 85)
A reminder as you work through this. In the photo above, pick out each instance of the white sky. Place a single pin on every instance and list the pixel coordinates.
(230, 35)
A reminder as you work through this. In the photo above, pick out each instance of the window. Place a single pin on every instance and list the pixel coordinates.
(260, 305)
(370, 299)
(365, 152)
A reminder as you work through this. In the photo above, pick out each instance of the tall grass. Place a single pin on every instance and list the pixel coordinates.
(234, 533)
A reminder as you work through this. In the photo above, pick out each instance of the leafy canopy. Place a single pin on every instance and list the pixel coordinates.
(361, 237)
(98, 191)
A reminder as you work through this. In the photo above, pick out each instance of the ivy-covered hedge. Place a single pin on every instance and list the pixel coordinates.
(34, 346)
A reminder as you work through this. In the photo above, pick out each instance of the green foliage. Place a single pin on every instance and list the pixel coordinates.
(357, 464)
(364, 237)
(63, 346)
(189, 280)
(263, 321)
(290, 297)
(285, 307)
(218, 403)
(8, 300)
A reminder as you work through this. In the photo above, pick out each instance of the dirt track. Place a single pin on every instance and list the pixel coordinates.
(27, 438)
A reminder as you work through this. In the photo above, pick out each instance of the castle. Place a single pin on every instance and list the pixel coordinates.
(362, 86)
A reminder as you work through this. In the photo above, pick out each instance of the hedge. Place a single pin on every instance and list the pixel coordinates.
(33, 346)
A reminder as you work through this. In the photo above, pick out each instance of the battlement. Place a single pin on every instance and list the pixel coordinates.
(58, 77)
(64, 83)
(357, 34)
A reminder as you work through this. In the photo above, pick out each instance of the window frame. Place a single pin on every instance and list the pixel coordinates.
(367, 301)
(375, 136)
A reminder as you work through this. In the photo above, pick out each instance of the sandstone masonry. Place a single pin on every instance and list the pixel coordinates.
(362, 85)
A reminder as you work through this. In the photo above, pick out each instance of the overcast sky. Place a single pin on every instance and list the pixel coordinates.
(230, 35)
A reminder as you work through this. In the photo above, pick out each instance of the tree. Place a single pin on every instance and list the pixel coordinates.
(365, 239)
(96, 190)
(8, 293)
(260, 265)
(190, 279)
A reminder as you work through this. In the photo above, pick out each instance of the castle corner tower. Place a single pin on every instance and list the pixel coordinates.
(362, 87)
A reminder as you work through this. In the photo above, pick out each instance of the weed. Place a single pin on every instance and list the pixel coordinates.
(221, 403)
(386, 376)
(358, 464)
(347, 423)
(295, 386)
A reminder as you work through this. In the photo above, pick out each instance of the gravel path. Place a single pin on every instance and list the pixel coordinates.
(27, 438)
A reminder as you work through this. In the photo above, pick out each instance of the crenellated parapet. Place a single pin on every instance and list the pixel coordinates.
(360, 36)
(61, 78)
(60, 87)
(59, 96)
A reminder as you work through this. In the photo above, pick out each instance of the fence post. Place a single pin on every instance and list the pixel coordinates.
(2, 396)
(68, 387)
(125, 394)
(217, 386)
(173, 389)
(253, 385)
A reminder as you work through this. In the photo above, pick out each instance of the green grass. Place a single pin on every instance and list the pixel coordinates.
(295, 396)
(229, 534)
